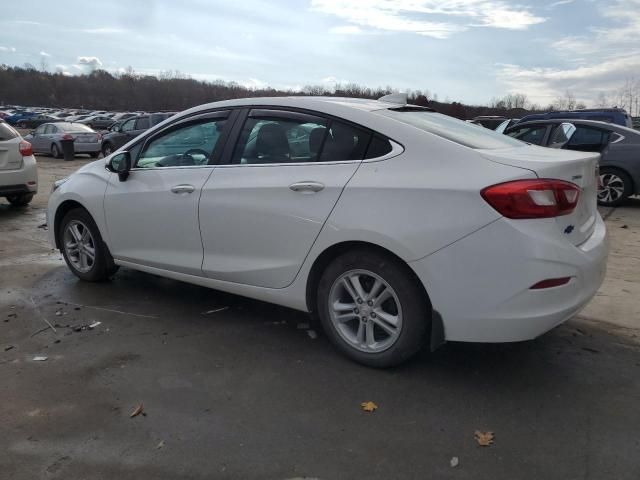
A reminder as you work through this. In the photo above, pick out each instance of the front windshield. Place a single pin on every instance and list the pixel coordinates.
(451, 128)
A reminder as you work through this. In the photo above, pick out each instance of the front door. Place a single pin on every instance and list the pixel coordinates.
(152, 217)
(261, 212)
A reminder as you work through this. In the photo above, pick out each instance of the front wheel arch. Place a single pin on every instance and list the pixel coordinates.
(62, 210)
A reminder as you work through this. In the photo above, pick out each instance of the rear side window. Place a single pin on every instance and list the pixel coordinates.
(344, 142)
(458, 131)
(534, 134)
(378, 147)
(142, 123)
(6, 132)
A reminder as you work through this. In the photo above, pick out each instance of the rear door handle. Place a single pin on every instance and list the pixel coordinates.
(183, 189)
(306, 187)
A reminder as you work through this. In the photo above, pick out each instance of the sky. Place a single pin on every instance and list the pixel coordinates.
(464, 50)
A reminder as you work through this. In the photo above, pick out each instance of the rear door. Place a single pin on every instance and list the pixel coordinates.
(38, 139)
(261, 211)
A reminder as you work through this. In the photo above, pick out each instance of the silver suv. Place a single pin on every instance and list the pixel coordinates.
(18, 170)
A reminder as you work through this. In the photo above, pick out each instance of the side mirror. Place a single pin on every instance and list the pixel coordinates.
(562, 135)
(120, 163)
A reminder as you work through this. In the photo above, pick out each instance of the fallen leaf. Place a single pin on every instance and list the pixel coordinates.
(454, 462)
(139, 409)
(160, 445)
(484, 439)
(312, 334)
(368, 406)
(40, 359)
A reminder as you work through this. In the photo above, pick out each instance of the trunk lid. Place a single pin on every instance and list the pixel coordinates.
(85, 137)
(579, 168)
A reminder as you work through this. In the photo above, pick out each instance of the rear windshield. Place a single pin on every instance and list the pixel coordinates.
(463, 133)
(73, 127)
(6, 132)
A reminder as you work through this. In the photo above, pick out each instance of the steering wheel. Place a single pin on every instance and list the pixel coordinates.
(196, 151)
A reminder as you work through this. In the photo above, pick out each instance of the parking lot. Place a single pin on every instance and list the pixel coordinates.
(234, 388)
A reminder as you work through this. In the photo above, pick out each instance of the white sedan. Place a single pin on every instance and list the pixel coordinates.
(398, 226)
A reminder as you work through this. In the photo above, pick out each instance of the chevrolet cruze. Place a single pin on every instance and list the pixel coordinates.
(397, 226)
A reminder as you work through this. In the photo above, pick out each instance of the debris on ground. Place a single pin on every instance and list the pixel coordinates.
(215, 310)
(43, 226)
(58, 313)
(160, 445)
(303, 326)
(592, 350)
(94, 325)
(625, 226)
(312, 334)
(484, 439)
(138, 410)
(454, 462)
(40, 358)
(9, 347)
(368, 406)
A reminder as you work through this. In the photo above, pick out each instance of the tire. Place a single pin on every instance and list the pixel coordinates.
(615, 187)
(21, 200)
(94, 154)
(55, 151)
(107, 149)
(362, 337)
(102, 266)
(21, 125)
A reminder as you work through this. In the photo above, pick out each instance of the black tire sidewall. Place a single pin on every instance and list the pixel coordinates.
(55, 151)
(628, 189)
(20, 200)
(416, 309)
(100, 270)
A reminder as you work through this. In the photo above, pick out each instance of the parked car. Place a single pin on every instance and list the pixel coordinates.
(97, 122)
(47, 137)
(35, 121)
(330, 205)
(122, 116)
(617, 116)
(619, 149)
(489, 121)
(19, 115)
(76, 118)
(506, 124)
(18, 170)
(130, 129)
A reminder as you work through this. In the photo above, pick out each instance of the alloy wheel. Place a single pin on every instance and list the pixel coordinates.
(79, 246)
(365, 311)
(611, 188)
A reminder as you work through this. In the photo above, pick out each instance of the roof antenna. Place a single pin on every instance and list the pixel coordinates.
(397, 98)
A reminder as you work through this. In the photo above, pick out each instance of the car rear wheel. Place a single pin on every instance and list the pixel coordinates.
(20, 200)
(372, 308)
(86, 254)
(615, 187)
(21, 125)
(55, 151)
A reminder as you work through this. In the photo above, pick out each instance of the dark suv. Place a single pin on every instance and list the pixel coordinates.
(130, 129)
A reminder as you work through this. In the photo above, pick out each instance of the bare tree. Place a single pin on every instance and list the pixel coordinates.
(602, 101)
(565, 102)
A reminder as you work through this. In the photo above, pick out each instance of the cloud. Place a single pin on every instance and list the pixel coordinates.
(346, 30)
(26, 22)
(87, 64)
(418, 16)
(559, 3)
(8, 49)
(104, 30)
(44, 54)
(63, 70)
(254, 83)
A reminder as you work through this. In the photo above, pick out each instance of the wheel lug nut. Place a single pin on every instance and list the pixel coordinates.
(373, 314)
(356, 311)
(370, 303)
(359, 300)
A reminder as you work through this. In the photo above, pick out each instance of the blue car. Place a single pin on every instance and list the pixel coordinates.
(617, 116)
(16, 117)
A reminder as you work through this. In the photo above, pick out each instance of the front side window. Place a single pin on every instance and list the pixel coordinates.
(40, 130)
(187, 145)
(129, 125)
(280, 140)
(533, 134)
(142, 123)
(49, 129)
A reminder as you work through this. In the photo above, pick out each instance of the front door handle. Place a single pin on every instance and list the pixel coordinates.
(306, 187)
(183, 189)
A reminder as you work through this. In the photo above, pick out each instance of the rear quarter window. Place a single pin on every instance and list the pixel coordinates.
(7, 132)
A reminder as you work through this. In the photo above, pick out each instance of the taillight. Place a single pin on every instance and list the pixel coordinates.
(25, 148)
(543, 198)
(67, 136)
(99, 137)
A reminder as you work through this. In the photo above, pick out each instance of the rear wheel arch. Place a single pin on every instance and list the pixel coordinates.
(323, 260)
(634, 187)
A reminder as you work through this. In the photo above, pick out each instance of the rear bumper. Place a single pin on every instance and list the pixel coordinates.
(23, 180)
(86, 147)
(481, 284)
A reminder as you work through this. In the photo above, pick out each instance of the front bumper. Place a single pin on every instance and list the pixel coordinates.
(481, 284)
(22, 180)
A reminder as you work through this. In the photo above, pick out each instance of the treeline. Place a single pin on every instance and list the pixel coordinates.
(101, 90)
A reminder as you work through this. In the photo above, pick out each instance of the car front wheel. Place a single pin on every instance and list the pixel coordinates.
(20, 200)
(372, 308)
(107, 149)
(83, 249)
(614, 188)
